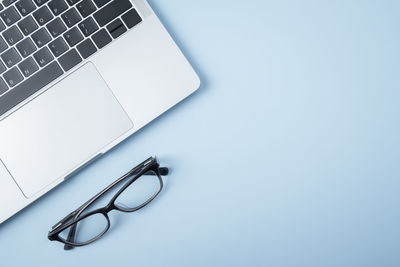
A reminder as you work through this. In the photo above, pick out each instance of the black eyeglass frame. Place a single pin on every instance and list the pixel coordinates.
(151, 164)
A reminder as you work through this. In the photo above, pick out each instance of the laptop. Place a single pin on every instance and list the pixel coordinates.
(77, 77)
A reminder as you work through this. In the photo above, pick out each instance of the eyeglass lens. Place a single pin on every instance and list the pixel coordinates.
(139, 192)
(87, 229)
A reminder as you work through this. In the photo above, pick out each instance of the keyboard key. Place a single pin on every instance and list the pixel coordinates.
(71, 17)
(86, 7)
(26, 47)
(43, 56)
(70, 60)
(3, 44)
(25, 7)
(101, 38)
(2, 67)
(88, 26)
(10, 16)
(73, 36)
(41, 2)
(11, 57)
(13, 77)
(12, 35)
(43, 15)
(58, 6)
(56, 27)
(28, 67)
(27, 25)
(100, 3)
(58, 46)
(41, 37)
(8, 2)
(3, 86)
(131, 18)
(86, 48)
(116, 28)
(29, 87)
(111, 11)
(2, 26)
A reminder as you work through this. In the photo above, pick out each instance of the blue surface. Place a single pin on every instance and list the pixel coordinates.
(287, 156)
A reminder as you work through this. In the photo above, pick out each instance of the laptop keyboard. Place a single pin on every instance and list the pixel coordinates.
(40, 40)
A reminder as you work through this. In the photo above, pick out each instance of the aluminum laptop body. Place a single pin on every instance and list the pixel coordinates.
(75, 82)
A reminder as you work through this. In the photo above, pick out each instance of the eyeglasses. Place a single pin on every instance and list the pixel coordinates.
(85, 226)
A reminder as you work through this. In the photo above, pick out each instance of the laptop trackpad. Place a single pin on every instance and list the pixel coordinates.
(61, 129)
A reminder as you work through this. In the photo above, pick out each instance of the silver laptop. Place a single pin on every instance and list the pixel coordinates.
(77, 77)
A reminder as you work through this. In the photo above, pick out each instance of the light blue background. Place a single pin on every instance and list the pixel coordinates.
(287, 156)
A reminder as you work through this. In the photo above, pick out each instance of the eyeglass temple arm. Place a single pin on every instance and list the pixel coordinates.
(163, 171)
(71, 235)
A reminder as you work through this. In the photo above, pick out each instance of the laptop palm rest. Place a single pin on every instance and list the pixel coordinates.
(60, 130)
